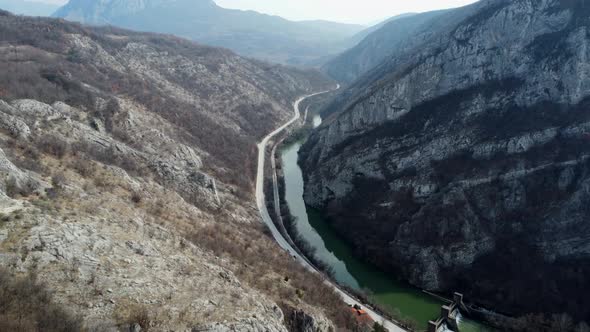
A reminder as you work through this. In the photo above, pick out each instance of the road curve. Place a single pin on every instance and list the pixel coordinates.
(283, 243)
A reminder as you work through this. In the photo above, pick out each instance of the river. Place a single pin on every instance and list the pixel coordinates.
(349, 270)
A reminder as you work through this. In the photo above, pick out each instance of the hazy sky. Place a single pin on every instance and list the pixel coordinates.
(353, 11)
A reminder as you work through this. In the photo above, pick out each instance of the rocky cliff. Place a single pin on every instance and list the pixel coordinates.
(461, 163)
(126, 173)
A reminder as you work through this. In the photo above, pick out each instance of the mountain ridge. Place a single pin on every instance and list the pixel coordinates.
(249, 33)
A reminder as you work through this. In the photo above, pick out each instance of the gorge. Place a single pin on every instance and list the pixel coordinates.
(460, 162)
(409, 304)
(313, 177)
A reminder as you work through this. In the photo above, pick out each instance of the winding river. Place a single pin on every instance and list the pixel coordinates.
(349, 270)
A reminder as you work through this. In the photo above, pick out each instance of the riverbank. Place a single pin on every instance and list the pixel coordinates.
(405, 304)
(280, 239)
(327, 250)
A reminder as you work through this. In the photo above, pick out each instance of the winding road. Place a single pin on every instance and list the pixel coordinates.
(284, 243)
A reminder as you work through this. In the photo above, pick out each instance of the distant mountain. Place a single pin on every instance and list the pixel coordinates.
(247, 32)
(354, 40)
(375, 44)
(31, 8)
(374, 27)
(340, 30)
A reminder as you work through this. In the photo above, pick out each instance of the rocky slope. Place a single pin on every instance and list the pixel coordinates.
(461, 164)
(247, 32)
(126, 180)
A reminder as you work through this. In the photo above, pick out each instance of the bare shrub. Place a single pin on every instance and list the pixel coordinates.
(108, 114)
(83, 166)
(141, 317)
(111, 156)
(537, 322)
(53, 145)
(562, 323)
(27, 305)
(58, 181)
(122, 135)
(136, 197)
(11, 187)
(102, 180)
(29, 164)
(158, 208)
(258, 256)
(132, 314)
(582, 327)
(25, 156)
(24, 188)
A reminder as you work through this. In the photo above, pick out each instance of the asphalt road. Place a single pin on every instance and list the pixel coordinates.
(284, 243)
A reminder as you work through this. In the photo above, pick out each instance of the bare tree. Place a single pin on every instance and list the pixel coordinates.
(582, 327)
(561, 323)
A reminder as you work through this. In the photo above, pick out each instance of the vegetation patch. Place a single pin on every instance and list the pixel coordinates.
(27, 305)
(257, 254)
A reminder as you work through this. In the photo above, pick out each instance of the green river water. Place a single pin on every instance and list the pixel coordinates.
(348, 269)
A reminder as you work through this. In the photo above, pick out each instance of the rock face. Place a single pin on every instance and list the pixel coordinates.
(304, 322)
(247, 32)
(461, 163)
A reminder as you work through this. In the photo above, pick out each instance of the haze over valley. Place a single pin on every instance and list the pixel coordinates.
(192, 165)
